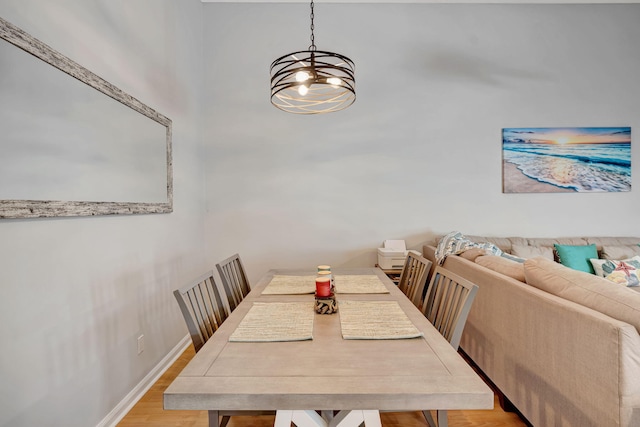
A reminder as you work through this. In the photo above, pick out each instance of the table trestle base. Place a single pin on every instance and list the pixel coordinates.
(309, 418)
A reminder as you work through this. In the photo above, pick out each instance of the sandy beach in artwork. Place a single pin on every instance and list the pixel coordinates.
(514, 181)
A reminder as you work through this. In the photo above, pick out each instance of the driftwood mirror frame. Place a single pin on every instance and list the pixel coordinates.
(54, 208)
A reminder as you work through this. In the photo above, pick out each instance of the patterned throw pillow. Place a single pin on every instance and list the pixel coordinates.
(624, 274)
(604, 267)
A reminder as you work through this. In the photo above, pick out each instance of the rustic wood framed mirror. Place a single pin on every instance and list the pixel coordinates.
(72, 144)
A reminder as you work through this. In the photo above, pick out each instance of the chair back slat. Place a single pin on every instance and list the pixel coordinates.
(413, 277)
(234, 280)
(448, 302)
(202, 307)
(202, 313)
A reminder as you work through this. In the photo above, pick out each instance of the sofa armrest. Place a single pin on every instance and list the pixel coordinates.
(429, 252)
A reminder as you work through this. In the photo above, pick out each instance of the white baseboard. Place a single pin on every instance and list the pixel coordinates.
(125, 405)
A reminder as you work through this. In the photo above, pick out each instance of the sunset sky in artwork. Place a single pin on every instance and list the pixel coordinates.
(561, 136)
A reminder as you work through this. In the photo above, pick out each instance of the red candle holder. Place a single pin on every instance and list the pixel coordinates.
(323, 287)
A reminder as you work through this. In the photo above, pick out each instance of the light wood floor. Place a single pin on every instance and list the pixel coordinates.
(148, 411)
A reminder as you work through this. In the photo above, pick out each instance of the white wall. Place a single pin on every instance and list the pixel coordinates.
(78, 291)
(419, 153)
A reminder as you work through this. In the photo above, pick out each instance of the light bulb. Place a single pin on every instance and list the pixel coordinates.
(302, 90)
(334, 81)
(302, 76)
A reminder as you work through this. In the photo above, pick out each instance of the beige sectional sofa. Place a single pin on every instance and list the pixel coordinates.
(563, 346)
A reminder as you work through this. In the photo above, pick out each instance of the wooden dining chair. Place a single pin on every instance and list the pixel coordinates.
(234, 279)
(203, 309)
(414, 277)
(446, 306)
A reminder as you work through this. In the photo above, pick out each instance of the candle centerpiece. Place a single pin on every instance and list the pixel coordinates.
(325, 298)
(325, 271)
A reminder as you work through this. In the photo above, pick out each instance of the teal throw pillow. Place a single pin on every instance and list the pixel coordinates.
(577, 257)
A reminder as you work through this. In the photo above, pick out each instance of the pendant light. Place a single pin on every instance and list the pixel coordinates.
(312, 81)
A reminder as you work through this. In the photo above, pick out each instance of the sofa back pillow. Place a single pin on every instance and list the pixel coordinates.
(473, 253)
(613, 241)
(620, 252)
(502, 265)
(532, 251)
(586, 289)
(544, 241)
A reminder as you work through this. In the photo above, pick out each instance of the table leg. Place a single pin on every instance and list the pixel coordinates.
(440, 415)
(213, 419)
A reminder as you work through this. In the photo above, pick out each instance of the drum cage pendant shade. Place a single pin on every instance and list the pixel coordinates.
(312, 81)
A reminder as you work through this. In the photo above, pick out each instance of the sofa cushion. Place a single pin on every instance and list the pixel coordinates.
(502, 265)
(577, 256)
(620, 252)
(589, 290)
(545, 241)
(532, 251)
(472, 254)
(613, 241)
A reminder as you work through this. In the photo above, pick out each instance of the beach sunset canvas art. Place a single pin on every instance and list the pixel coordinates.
(553, 160)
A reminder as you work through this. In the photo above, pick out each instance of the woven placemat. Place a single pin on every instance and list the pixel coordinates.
(375, 320)
(359, 284)
(290, 285)
(276, 321)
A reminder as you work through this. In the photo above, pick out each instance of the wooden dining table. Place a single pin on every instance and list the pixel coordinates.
(325, 371)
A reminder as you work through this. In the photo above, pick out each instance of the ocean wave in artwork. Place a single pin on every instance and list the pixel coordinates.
(581, 167)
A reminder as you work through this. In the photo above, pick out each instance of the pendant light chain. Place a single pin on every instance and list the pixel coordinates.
(313, 39)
